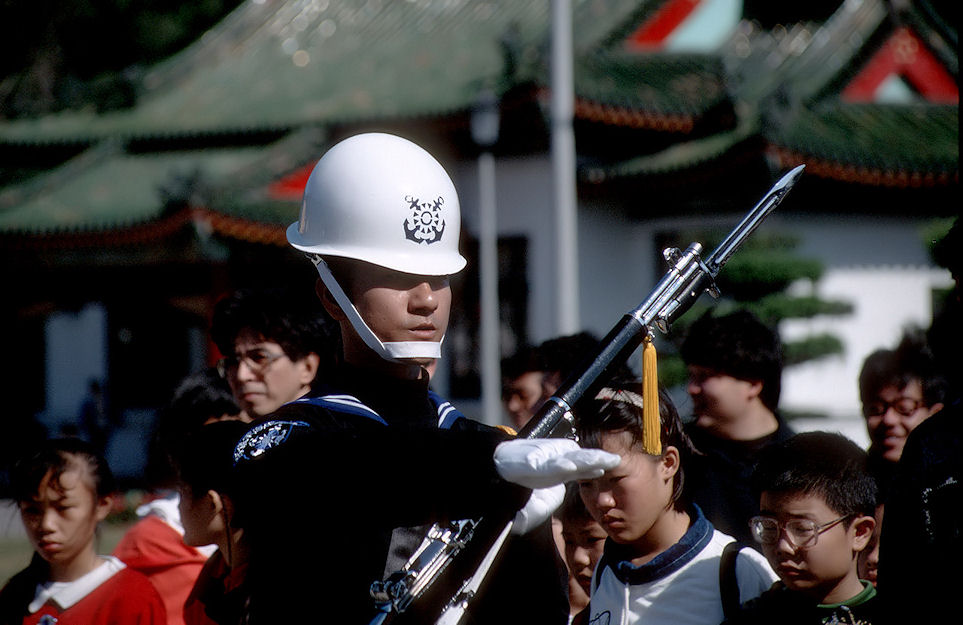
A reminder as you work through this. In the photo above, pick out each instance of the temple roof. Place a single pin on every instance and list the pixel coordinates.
(867, 97)
(287, 64)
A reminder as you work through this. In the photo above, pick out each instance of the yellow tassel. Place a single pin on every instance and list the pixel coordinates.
(507, 429)
(651, 423)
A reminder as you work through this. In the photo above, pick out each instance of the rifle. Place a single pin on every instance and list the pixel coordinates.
(444, 574)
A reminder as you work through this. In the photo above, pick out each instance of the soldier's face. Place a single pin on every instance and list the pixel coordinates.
(398, 306)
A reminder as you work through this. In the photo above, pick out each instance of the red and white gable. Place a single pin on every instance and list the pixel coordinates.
(687, 26)
(901, 71)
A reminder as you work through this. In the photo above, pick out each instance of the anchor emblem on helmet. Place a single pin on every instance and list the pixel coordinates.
(424, 224)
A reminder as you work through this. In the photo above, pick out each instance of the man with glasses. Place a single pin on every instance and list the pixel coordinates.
(816, 500)
(899, 389)
(273, 343)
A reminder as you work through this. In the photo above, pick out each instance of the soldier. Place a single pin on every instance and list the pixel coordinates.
(335, 481)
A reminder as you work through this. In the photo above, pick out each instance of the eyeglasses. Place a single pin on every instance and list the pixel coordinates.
(802, 533)
(257, 360)
(904, 406)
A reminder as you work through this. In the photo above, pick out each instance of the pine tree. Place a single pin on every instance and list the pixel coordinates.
(768, 277)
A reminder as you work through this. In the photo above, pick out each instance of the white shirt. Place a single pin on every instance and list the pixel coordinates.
(680, 586)
(66, 594)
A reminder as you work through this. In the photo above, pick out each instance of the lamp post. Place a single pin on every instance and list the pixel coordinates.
(485, 120)
(563, 168)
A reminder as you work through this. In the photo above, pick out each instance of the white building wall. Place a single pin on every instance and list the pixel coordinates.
(615, 253)
(76, 348)
(879, 265)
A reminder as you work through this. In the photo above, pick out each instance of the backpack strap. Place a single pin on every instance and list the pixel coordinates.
(728, 584)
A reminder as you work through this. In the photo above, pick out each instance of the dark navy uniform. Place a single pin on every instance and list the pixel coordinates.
(360, 457)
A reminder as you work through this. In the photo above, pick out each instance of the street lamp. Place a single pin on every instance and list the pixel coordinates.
(485, 119)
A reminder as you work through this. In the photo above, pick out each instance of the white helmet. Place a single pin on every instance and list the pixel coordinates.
(384, 200)
(381, 199)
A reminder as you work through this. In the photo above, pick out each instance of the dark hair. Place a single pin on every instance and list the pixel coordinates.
(198, 397)
(911, 360)
(292, 319)
(573, 509)
(823, 464)
(205, 459)
(739, 345)
(57, 456)
(598, 417)
(524, 360)
(564, 354)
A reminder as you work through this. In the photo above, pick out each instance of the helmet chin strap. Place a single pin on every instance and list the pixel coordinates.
(395, 351)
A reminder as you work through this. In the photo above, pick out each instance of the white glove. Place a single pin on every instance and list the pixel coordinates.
(540, 506)
(543, 462)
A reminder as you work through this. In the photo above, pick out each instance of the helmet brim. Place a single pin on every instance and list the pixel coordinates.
(421, 261)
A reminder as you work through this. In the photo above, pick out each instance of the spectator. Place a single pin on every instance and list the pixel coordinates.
(867, 564)
(663, 561)
(922, 537)
(521, 386)
(64, 490)
(899, 389)
(94, 420)
(204, 466)
(735, 370)
(817, 500)
(155, 545)
(562, 356)
(583, 540)
(274, 343)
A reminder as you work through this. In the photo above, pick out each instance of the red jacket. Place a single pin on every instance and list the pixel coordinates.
(157, 550)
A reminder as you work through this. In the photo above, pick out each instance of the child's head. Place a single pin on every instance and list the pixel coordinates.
(868, 560)
(817, 500)
(583, 537)
(64, 489)
(204, 463)
(200, 398)
(629, 499)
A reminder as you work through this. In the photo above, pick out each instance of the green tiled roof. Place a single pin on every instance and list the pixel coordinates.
(281, 65)
(922, 140)
(654, 83)
(785, 84)
(107, 188)
(680, 156)
(299, 66)
(120, 191)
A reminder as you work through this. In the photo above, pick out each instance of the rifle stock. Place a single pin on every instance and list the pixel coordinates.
(419, 584)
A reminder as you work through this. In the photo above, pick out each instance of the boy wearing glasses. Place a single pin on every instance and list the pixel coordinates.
(816, 501)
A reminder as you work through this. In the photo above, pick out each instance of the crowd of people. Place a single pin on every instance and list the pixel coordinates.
(314, 458)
